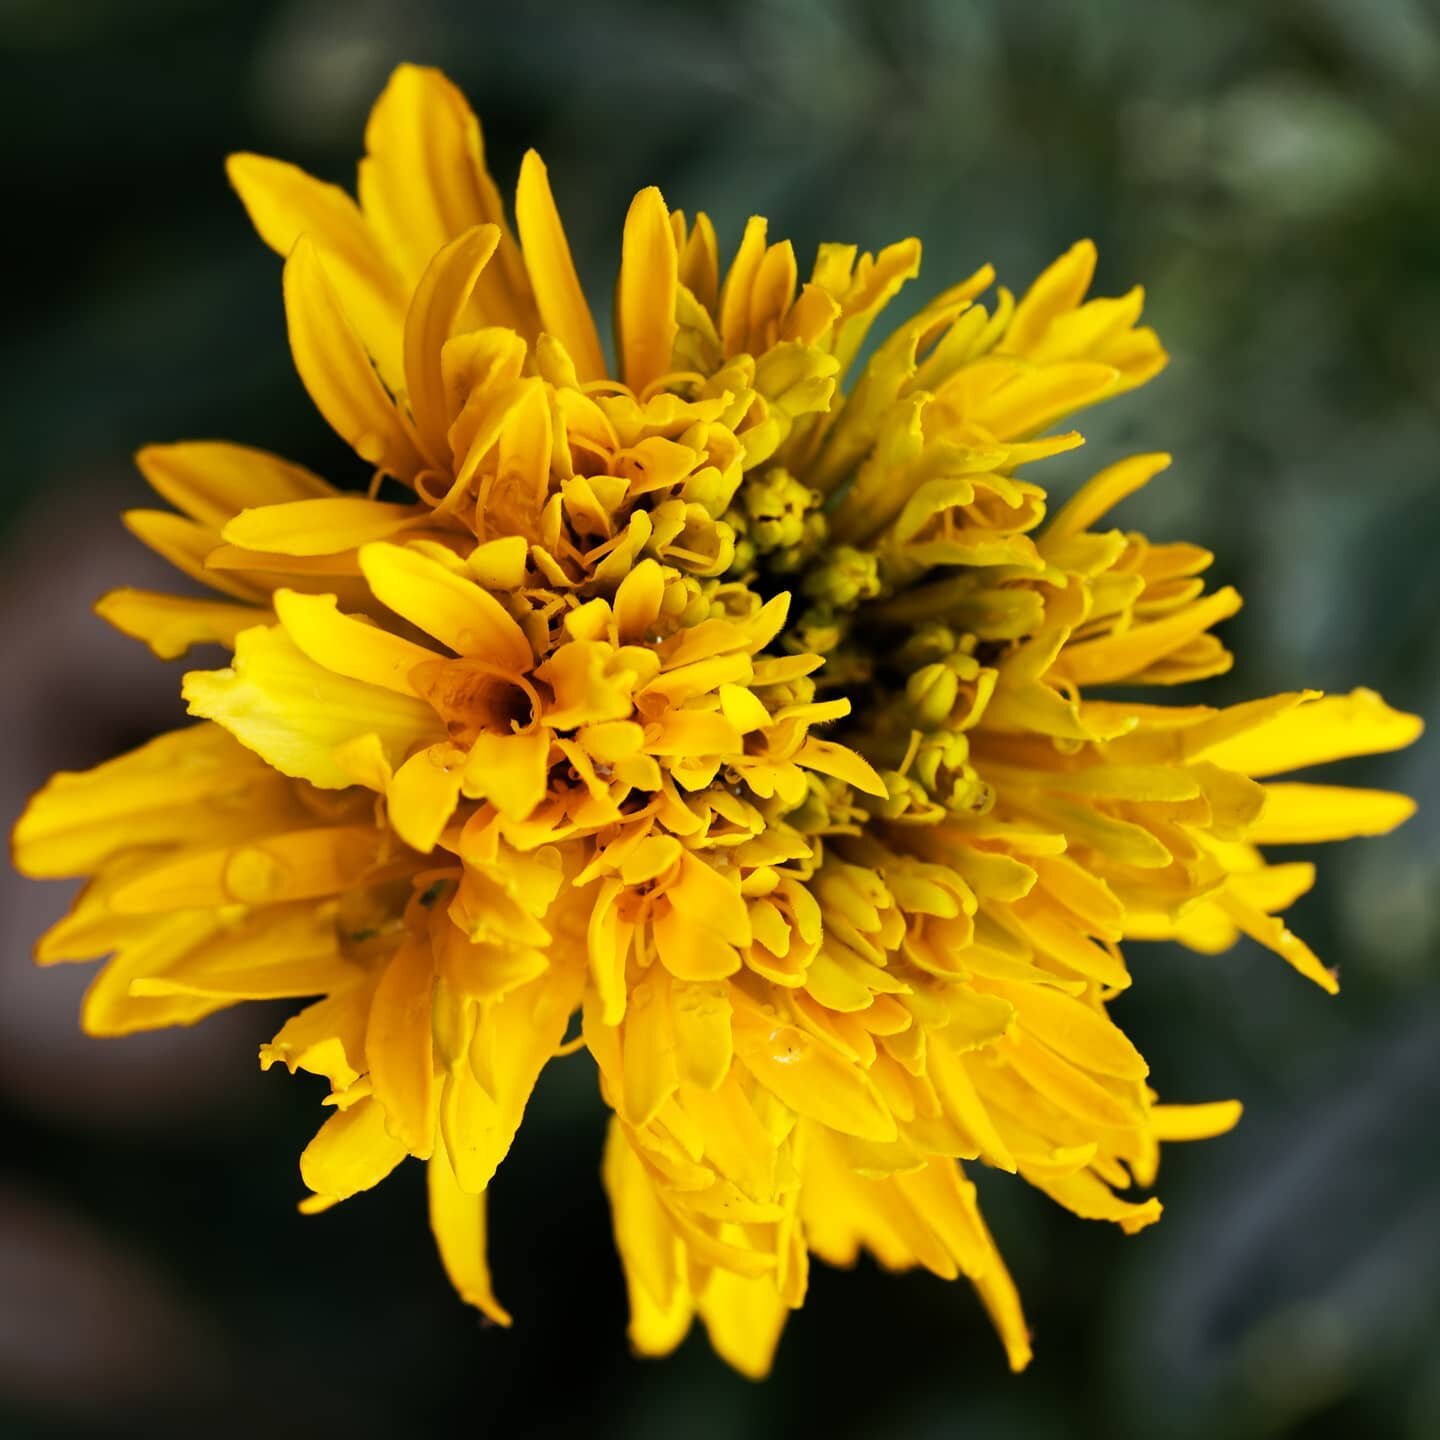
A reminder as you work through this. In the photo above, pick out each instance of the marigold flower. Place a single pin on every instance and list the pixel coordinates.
(745, 701)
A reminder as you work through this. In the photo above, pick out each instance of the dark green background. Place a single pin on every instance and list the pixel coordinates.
(1271, 172)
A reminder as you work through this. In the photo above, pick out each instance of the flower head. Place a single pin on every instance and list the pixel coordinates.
(749, 702)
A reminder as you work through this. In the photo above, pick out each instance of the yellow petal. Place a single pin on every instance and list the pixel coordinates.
(337, 372)
(514, 1038)
(172, 624)
(1126, 653)
(842, 762)
(1059, 288)
(285, 203)
(212, 481)
(563, 310)
(434, 312)
(811, 1078)
(158, 794)
(1316, 732)
(1297, 814)
(739, 282)
(300, 865)
(294, 713)
(423, 793)
(348, 646)
(456, 611)
(645, 294)
(511, 771)
(400, 1050)
(110, 1006)
(1194, 1122)
(1088, 1197)
(457, 1221)
(186, 544)
(1075, 1030)
(279, 952)
(744, 1318)
(1100, 494)
(704, 1043)
(352, 1152)
(648, 1050)
(707, 899)
(321, 527)
(423, 181)
(650, 1252)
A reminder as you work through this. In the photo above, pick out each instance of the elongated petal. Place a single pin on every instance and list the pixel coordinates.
(457, 1220)
(345, 645)
(456, 611)
(1316, 732)
(435, 310)
(338, 373)
(645, 294)
(173, 624)
(1297, 814)
(328, 526)
(563, 308)
(399, 1048)
(284, 203)
(212, 481)
(423, 181)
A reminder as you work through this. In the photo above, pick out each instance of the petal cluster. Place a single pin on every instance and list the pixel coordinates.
(739, 712)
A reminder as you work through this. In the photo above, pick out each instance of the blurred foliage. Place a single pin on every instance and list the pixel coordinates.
(1269, 171)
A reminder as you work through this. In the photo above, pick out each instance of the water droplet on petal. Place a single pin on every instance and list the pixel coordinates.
(253, 876)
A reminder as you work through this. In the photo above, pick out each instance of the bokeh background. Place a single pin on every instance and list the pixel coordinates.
(1271, 171)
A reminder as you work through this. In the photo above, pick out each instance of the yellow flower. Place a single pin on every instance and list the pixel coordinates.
(745, 703)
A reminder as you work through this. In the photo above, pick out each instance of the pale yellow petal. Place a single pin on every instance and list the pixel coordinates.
(294, 713)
